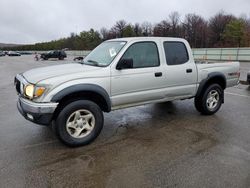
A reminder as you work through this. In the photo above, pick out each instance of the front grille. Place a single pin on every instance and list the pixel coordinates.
(17, 85)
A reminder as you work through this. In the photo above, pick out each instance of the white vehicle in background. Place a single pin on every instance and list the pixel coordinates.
(12, 53)
(120, 73)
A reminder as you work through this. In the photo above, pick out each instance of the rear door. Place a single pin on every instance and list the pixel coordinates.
(141, 83)
(181, 72)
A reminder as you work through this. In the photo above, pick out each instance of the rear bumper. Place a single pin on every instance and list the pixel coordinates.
(39, 113)
(232, 82)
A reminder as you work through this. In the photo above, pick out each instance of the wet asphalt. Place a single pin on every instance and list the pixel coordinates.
(158, 145)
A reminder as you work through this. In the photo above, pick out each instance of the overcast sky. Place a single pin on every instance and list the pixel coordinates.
(30, 21)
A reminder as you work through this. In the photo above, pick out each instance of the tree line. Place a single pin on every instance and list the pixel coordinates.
(221, 30)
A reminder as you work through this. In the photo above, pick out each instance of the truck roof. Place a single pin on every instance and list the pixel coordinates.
(129, 39)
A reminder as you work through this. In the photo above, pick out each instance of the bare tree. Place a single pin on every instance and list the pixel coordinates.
(137, 29)
(147, 29)
(217, 26)
(162, 29)
(195, 28)
(174, 18)
(104, 33)
(119, 27)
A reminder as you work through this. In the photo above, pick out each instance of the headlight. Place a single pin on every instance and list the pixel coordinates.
(32, 91)
(29, 90)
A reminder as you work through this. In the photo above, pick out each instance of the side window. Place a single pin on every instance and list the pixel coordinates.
(144, 54)
(176, 53)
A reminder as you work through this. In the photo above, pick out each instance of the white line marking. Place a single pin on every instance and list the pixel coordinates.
(235, 94)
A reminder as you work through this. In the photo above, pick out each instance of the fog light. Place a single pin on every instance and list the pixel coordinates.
(30, 116)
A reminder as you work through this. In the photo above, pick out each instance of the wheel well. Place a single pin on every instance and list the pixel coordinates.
(217, 80)
(84, 95)
(214, 80)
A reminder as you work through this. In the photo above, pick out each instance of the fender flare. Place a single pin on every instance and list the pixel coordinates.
(81, 88)
(211, 76)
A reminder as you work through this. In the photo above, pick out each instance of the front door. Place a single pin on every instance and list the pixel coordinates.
(143, 81)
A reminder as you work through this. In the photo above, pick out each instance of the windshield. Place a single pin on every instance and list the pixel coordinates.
(104, 54)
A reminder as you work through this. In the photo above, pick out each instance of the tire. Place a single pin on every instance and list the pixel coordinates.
(197, 103)
(79, 123)
(210, 101)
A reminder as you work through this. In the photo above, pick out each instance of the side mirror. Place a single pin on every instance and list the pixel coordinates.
(125, 64)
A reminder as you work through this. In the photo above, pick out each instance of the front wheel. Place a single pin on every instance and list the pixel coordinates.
(210, 101)
(79, 123)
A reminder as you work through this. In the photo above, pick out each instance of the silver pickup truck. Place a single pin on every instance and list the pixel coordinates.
(120, 73)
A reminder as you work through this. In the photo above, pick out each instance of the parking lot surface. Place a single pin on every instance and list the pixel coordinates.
(159, 145)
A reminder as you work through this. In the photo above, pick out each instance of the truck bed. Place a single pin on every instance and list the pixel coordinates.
(230, 70)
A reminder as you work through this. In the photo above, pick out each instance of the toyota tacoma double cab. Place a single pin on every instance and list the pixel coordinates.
(117, 74)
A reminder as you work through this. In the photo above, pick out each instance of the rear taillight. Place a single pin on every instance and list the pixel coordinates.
(234, 74)
(238, 74)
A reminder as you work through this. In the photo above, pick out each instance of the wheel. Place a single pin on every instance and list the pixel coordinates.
(79, 123)
(209, 102)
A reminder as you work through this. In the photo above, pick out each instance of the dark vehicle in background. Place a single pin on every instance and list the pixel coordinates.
(2, 54)
(12, 53)
(58, 54)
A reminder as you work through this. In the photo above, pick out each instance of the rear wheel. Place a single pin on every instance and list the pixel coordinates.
(209, 102)
(79, 123)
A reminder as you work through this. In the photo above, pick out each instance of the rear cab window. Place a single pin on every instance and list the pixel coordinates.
(175, 52)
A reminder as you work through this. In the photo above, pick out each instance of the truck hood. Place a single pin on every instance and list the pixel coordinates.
(39, 74)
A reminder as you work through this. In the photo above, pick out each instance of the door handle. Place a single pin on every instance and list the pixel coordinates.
(189, 70)
(158, 74)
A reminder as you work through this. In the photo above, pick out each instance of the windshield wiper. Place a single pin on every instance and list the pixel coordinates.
(93, 63)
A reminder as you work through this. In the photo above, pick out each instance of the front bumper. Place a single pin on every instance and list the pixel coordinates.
(39, 113)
